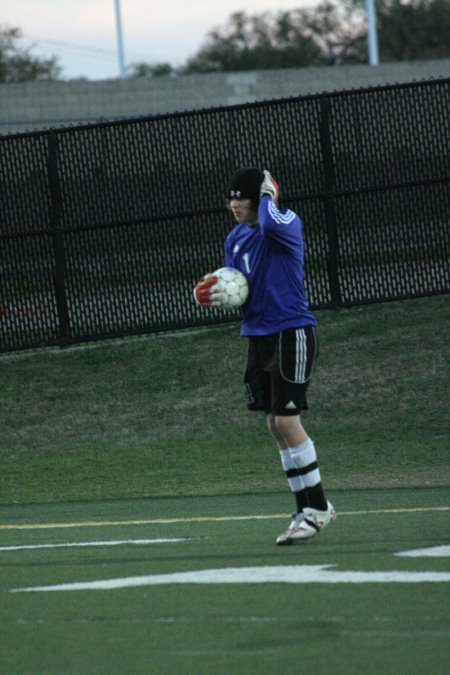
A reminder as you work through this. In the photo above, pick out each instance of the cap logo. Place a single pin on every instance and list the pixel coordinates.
(235, 193)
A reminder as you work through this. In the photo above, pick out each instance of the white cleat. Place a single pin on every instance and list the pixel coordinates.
(286, 537)
(307, 524)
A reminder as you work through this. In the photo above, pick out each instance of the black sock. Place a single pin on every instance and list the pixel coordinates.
(301, 499)
(316, 498)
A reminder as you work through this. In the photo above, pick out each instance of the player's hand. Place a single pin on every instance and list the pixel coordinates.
(206, 292)
(269, 187)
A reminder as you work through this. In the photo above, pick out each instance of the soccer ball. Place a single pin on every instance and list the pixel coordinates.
(233, 287)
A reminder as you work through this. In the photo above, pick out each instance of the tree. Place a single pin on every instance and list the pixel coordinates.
(418, 29)
(19, 65)
(334, 32)
(143, 69)
(338, 29)
(255, 42)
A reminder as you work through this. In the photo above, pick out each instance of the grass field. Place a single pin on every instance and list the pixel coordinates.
(150, 622)
(164, 415)
(136, 458)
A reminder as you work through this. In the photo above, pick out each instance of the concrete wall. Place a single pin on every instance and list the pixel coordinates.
(40, 105)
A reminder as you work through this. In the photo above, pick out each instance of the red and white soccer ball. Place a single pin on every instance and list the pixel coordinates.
(233, 287)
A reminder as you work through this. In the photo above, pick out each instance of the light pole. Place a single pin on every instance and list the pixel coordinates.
(119, 39)
(372, 32)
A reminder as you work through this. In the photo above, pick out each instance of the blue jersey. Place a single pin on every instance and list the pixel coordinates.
(270, 254)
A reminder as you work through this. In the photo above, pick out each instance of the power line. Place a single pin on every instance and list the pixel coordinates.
(73, 45)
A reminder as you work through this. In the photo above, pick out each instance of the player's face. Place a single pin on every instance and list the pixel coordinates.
(243, 211)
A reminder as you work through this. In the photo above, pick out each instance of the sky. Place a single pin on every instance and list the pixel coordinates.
(83, 33)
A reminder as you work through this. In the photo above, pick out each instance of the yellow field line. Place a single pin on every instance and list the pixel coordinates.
(200, 519)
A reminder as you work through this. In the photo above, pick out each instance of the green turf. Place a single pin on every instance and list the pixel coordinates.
(154, 429)
(164, 414)
(342, 629)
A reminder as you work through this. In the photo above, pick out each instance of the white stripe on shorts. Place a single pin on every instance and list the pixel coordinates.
(301, 354)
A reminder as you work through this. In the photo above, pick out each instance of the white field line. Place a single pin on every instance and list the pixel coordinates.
(433, 552)
(138, 542)
(205, 519)
(291, 574)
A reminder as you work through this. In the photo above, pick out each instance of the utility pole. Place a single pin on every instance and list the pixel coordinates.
(372, 32)
(119, 39)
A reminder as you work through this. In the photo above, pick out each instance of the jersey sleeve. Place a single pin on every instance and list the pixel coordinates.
(282, 227)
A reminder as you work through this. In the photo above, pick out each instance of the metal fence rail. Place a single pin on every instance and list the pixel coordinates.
(105, 228)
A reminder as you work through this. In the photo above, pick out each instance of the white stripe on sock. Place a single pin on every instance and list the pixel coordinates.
(295, 482)
(303, 455)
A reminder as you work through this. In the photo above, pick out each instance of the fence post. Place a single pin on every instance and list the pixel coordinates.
(330, 212)
(59, 270)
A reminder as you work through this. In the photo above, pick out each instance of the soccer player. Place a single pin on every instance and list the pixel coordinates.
(267, 246)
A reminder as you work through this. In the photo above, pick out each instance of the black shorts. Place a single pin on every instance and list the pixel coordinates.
(278, 370)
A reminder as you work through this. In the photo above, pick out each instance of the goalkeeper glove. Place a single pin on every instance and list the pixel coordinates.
(269, 187)
(207, 291)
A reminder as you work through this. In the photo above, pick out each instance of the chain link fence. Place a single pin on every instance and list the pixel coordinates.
(105, 228)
